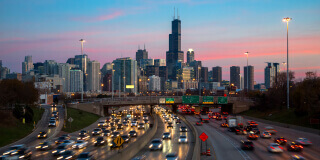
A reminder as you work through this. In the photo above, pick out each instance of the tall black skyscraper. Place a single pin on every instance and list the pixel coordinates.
(250, 78)
(190, 56)
(235, 76)
(174, 55)
(217, 74)
(141, 54)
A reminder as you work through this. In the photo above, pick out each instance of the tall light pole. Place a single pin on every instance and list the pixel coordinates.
(82, 40)
(287, 20)
(247, 53)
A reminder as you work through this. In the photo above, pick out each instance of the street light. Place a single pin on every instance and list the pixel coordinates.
(82, 41)
(247, 53)
(287, 20)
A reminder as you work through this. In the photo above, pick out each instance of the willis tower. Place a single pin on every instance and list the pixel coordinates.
(174, 55)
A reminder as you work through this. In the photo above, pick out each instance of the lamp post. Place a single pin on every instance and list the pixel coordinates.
(287, 20)
(82, 40)
(247, 53)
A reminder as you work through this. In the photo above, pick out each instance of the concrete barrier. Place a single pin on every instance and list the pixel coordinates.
(130, 151)
(196, 150)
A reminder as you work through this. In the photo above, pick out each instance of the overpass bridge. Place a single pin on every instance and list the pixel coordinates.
(101, 106)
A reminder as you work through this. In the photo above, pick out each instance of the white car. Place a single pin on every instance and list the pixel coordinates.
(80, 144)
(141, 126)
(303, 141)
(145, 117)
(52, 123)
(270, 129)
(102, 124)
(275, 147)
(134, 124)
(68, 142)
(265, 134)
(183, 139)
(96, 131)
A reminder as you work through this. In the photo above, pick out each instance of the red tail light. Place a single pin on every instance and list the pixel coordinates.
(301, 147)
(271, 147)
(280, 147)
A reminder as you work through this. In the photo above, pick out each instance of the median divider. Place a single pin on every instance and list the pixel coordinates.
(196, 149)
(133, 148)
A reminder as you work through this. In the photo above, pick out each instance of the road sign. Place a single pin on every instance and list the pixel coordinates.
(169, 100)
(70, 119)
(203, 136)
(162, 101)
(207, 100)
(222, 100)
(118, 141)
(190, 99)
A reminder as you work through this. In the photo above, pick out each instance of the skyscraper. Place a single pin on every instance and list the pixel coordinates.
(27, 65)
(160, 62)
(154, 83)
(94, 76)
(125, 73)
(217, 74)
(174, 55)
(141, 54)
(76, 80)
(235, 76)
(250, 77)
(50, 67)
(271, 73)
(204, 74)
(64, 73)
(190, 56)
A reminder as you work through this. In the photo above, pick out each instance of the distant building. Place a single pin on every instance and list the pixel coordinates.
(141, 54)
(38, 68)
(14, 75)
(235, 76)
(94, 76)
(107, 82)
(204, 74)
(71, 61)
(250, 76)
(214, 85)
(216, 74)
(159, 62)
(125, 73)
(143, 84)
(187, 74)
(190, 56)
(154, 83)
(27, 65)
(107, 68)
(210, 78)
(64, 73)
(152, 70)
(270, 74)
(76, 80)
(50, 67)
(146, 62)
(190, 84)
(163, 74)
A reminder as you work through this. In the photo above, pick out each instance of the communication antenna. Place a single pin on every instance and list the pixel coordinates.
(178, 13)
(174, 13)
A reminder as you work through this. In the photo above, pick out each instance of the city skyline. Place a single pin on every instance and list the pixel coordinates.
(216, 40)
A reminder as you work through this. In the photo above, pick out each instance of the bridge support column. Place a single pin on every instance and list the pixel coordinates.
(174, 108)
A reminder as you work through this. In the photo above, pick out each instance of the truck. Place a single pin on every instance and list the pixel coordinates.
(235, 121)
(204, 117)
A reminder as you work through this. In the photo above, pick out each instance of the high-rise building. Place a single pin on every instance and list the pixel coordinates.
(3, 72)
(107, 68)
(76, 80)
(271, 74)
(160, 62)
(14, 75)
(141, 54)
(216, 74)
(0, 63)
(249, 77)
(94, 76)
(154, 83)
(107, 82)
(197, 69)
(210, 78)
(82, 62)
(146, 62)
(204, 74)
(174, 55)
(50, 67)
(125, 73)
(143, 84)
(190, 56)
(71, 61)
(27, 65)
(163, 74)
(152, 70)
(64, 73)
(187, 74)
(235, 76)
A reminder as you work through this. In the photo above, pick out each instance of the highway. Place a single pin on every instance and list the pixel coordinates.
(184, 151)
(227, 144)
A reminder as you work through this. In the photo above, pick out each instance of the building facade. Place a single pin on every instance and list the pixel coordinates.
(216, 74)
(235, 76)
(249, 78)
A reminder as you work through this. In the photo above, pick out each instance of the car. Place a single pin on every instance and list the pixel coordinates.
(183, 139)
(175, 117)
(297, 157)
(265, 134)
(70, 142)
(67, 155)
(270, 129)
(280, 140)
(116, 121)
(199, 123)
(115, 134)
(172, 156)
(106, 133)
(166, 120)
(60, 149)
(125, 123)
(112, 124)
(23, 153)
(145, 117)
(178, 121)
(255, 130)
(253, 124)
(80, 144)
(156, 144)
(133, 133)
(293, 146)
(126, 138)
(83, 137)
(85, 156)
(252, 136)
(61, 139)
(166, 135)
(134, 124)
(66, 135)
(52, 119)
(246, 145)
(304, 141)
(219, 118)
(83, 132)
(13, 149)
(102, 124)
(141, 126)
(42, 134)
(170, 125)
(224, 125)
(112, 129)
(108, 119)
(52, 123)
(146, 121)
(120, 127)
(239, 130)
(99, 141)
(96, 131)
(183, 129)
(47, 145)
(274, 147)
(143, 157)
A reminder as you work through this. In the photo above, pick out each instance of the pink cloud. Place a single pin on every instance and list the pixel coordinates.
(99, 18)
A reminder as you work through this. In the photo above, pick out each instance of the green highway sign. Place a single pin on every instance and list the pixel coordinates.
(190, 99)
(169, 100)
(207, 100)
(222, 100)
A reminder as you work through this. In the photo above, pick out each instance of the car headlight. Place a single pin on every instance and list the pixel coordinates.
(151, 145)
(54, 151)
(159, 145)
(21, 157)
(179, 140)
(15, 152)
(102, 141)
(36, 148)
(74, 146)
(38, 135)
(110, 144)
(60, 157)
(62, 151)
(45, 147)
(6, 153)
(92, 132)
(95, 141)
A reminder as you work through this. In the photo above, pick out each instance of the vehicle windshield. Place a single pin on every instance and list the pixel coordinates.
(67, 153)
(14, 147)
(52, 121)
(96, 129)
(132, 132)
(275, 145)
(79, 141)
(183, 136)
(61, 138)
(156, 141)
(83, 155)
(99, 138)
(61, 147)
(247, 143)
(166, 133)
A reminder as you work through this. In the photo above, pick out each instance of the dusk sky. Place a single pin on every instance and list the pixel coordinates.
(219, 31)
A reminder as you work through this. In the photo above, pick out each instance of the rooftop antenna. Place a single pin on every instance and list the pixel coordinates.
(139, 47)
(178, 13)
(174, 13)
(144, 46)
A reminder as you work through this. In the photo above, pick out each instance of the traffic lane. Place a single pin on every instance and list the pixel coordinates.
(224, 148)
(261, 144)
